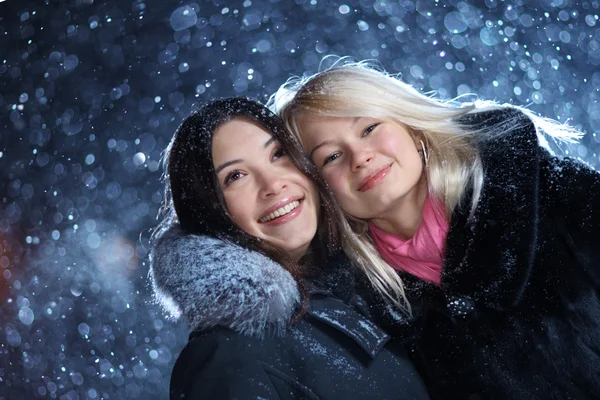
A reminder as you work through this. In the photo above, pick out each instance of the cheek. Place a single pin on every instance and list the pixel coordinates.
(393, 142)
(239, 210)
(338, 183)
(311, 191)
(403, 149)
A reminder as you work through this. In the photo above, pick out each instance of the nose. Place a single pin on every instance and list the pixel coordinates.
(271, 184)
(360, 158)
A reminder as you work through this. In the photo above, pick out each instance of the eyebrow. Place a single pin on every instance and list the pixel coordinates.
(239, 160)
(354, 122)
(317, 148)
(225, 165)
(268, 142)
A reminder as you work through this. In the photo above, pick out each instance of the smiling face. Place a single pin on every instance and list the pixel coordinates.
(371, 165)
(265, 194)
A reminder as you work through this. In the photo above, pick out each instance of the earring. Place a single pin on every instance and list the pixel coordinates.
(425, 155)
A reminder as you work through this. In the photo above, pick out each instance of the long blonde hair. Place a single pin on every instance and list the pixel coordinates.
(361, 90)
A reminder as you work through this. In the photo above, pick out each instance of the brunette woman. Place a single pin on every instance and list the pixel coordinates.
(248, 254)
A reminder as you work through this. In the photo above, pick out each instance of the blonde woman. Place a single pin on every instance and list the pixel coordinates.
(494, 239)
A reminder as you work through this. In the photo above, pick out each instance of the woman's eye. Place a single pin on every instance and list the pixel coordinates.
(330, 158)
(232, 177)
(278, 153)
(370, 129)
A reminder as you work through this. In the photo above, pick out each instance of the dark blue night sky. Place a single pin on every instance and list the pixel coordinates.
(92, 91)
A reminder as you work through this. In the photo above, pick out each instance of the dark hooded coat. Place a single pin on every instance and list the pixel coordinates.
(517, 315)
(240, 305)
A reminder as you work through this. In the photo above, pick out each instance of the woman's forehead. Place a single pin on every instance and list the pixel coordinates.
(240, 137)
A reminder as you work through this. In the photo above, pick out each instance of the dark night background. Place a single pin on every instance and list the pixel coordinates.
(92, 91)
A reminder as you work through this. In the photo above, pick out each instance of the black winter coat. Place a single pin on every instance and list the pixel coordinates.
(243, 347)
(518, 312)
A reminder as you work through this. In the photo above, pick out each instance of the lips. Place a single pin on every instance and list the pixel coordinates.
(374, 178)
(281, 209)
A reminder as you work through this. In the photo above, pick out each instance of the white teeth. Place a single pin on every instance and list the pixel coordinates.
(281, 211)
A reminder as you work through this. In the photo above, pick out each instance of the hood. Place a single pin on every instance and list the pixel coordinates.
(210, 282)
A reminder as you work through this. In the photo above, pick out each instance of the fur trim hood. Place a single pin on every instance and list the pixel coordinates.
(212, 282)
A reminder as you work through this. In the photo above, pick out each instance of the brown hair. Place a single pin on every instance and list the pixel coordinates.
(193, 197)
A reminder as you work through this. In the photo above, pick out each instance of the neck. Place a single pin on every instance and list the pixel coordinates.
(299, 253)
(404, 217)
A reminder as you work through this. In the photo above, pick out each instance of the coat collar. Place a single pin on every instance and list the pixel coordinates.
(335, 302)
(489, 256)
(347, 320)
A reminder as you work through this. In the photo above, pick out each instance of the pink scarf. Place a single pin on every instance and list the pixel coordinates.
(423, 254)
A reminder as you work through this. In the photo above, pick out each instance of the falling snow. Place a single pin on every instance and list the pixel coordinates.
(91, 92)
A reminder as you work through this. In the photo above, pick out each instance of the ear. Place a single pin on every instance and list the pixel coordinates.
(415, 134)
(421, 144)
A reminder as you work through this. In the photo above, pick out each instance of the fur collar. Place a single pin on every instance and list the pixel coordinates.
(216, 283)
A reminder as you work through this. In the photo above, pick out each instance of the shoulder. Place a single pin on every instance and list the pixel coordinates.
(505, 138)
(485, 118)
(502, 129)
(564, 171)
(572, 187)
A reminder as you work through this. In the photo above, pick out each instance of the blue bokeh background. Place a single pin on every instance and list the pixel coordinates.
(92, 91)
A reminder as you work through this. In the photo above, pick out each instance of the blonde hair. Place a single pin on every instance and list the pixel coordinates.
(361, 90)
